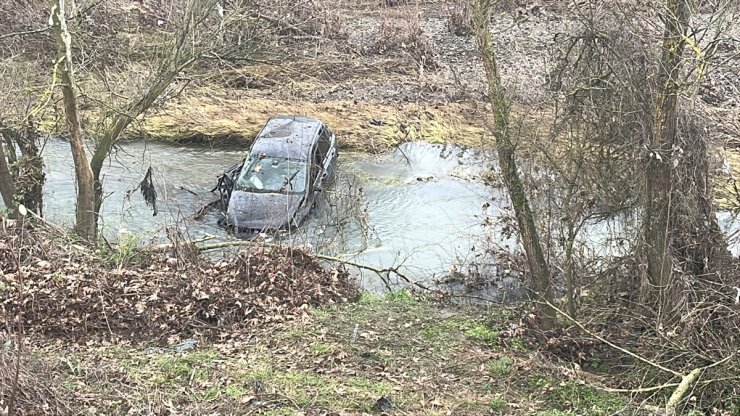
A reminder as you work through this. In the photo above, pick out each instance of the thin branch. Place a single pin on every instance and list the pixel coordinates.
(24, 33)
(686, 379)
(613, 345)
(383, 273)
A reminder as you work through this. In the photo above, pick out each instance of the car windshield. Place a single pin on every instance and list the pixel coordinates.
(272, 174)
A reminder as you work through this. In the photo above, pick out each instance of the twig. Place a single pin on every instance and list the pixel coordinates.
(202, 211)
(19, 316)
(27, 32)
(189, 191)
(382, 273)
(681, 388)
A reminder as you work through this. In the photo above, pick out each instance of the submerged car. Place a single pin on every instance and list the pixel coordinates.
(292, 159)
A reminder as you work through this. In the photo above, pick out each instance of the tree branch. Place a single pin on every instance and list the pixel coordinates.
(383, 273)
(24, 33)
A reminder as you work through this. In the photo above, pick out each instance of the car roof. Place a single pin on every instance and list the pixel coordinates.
(290, 137)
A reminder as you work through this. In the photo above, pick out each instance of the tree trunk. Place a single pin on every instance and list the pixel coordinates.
(86, 224)
(7, 183)
(570, 277)
(181, 57)
(659, 207)
(538, 266)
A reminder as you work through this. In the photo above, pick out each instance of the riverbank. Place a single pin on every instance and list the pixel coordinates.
(263, 331)
(396, 354)
(233, 118)
(268, 330)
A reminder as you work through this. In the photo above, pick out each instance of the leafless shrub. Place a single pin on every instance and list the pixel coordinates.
(25, 32)
(36, 394)
(297, 20)
(395, 3)
(400, 31)
(460, 19)
(595, 156)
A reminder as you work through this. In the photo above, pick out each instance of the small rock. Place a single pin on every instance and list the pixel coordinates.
(383, 404)
(188, 344)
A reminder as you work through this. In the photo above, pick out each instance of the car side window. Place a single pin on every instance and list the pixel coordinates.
(324, 143)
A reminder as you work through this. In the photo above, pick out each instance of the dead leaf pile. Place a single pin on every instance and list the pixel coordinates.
(67, 293)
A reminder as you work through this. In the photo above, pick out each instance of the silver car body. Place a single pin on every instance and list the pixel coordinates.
(291, 160)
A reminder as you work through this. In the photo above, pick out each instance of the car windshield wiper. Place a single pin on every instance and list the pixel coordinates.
(289, 180)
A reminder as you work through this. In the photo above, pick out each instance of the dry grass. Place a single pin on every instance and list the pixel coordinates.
(215, 118)
(34, 393)
(428, 359)
(727, 184)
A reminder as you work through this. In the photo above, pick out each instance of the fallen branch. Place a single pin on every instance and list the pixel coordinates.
(383, 273)
(202, 210)
(687, 380)
(162, 247)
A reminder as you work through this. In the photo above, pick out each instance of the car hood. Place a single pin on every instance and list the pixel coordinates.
(262, 211)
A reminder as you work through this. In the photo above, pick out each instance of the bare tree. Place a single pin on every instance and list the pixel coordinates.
(7, 183)
(85, 224)
(680, 228)
(659, 176)
(536, 262)
(180, 55)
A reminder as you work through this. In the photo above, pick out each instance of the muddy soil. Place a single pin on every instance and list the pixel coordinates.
(422, 85)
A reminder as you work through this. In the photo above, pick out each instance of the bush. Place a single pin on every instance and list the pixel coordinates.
(460, 18)
(401, 31)
(395, 3)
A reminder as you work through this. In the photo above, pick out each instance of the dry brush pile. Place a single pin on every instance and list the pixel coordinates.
(67, 293)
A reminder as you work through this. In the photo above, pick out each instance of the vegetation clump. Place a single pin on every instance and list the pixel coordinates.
(70, 294)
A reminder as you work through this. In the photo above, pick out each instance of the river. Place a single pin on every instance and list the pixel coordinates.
(421, 208)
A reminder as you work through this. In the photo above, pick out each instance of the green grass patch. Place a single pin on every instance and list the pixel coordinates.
(398, 296)
(427, 358)
(320, 349)
(582, 399)
(125, 252)
(498, 404)
(480, 332)
(183, 369)
(501, 366)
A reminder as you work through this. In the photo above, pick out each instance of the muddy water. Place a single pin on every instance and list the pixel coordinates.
(183, 177)
(419, 209)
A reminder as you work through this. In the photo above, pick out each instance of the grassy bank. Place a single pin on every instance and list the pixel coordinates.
(235, 119)
(424, 358)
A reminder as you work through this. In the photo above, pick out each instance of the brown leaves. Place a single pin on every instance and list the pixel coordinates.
(75, 297)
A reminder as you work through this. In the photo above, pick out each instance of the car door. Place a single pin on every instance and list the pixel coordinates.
(314, 183)
(328, 154)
